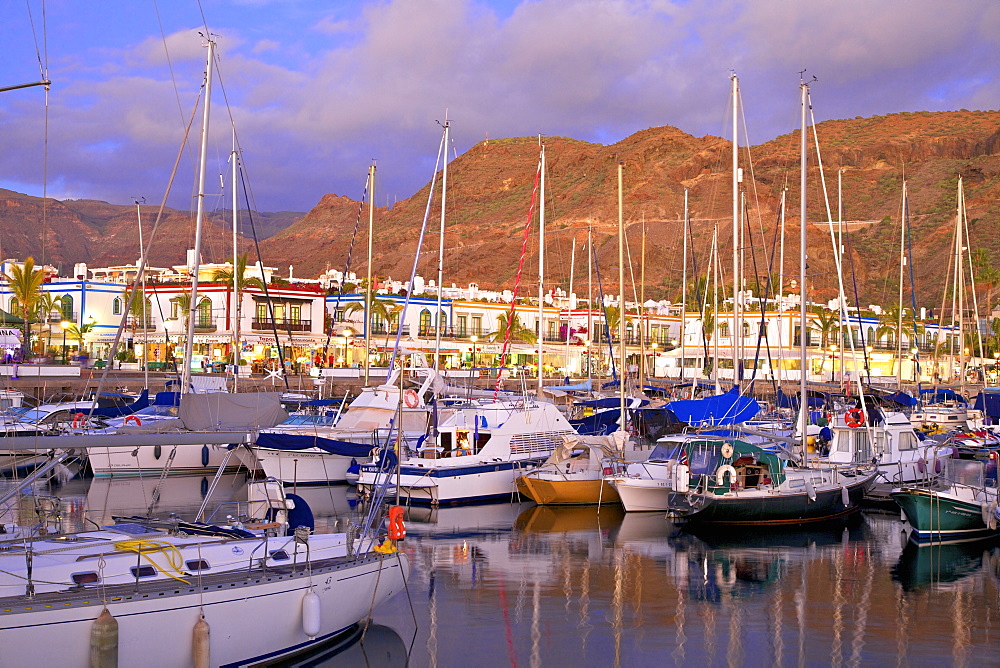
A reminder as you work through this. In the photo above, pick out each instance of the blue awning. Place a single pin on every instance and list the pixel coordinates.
(303, 441)
(721, 409)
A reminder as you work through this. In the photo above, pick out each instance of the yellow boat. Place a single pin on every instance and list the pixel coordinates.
(574, 473)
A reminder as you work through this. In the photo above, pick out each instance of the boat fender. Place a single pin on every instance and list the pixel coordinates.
(411, 399)
(937, 465)
(682, 477)
(104, 641)
(157, 451)
(727, 450)
(720, 474)
(396, 528)
(201, 644)
(810, 490)
(989, 511)
(311, 614)
(204, 455)
(845, 496)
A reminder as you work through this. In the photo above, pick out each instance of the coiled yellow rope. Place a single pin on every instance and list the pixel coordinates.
(145, 547)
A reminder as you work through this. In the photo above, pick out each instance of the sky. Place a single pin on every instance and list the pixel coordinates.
(317, 89)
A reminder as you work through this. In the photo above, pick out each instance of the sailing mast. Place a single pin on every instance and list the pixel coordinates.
(902, 264)
(145, 316)
(737, 332)
(623, 370)
(684, 286)
(541, 268)
(803, 332)
(369, 292)
(590, 303)
(236, 277)
(569, 301)
(440, 276)
(199, 220)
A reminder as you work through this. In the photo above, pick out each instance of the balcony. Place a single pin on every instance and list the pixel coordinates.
(133, 323)
(281, 324)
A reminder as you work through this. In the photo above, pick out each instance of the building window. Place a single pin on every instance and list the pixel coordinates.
(116, 306)
(425, 321)
(261, 310)
(477, 325)
(67, 307)
(204, 313)
(463, 325)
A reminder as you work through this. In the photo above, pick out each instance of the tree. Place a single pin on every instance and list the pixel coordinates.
(237, 276)
(79, 332)
(828, 324)
(889, 325)
(518, 332)
(26, 286)
(381, 309)
(47, 305)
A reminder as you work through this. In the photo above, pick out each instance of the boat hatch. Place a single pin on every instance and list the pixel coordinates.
(131, 529)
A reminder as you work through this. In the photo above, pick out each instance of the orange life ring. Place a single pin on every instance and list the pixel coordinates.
(78, 420)
(854, 418)
(411, 399)
(133, 418)
(396, 528)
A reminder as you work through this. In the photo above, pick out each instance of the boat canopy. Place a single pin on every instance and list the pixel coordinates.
(937, 395)
(727, 408)
(118, 411)
(304, 441)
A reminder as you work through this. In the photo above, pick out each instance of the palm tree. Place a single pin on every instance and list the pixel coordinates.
(518, 332)
(26, 286)
(47, 305)
(237, 276)
(381, 309)
(79, 332)
(889, 325)
(987, 274)
(828, 323)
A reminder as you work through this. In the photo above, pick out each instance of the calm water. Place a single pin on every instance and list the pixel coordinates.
(517, 584)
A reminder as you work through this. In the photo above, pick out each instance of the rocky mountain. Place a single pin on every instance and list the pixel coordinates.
(101, 234)
(490, 191)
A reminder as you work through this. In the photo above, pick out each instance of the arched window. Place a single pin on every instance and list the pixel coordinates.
(67, 307)
(425, 321)
(116, 306)
(870, 337)
(15, 306)
(204, 313)
(724, 329)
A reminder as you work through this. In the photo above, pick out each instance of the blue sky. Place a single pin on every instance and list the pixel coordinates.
(317, 89)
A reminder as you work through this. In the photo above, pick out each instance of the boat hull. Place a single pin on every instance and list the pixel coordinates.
(188, 460)
(440, 485)
(936, 516)
(303, 467)
(252, 616)
(567, 492)
(761, 507)
(644, 494)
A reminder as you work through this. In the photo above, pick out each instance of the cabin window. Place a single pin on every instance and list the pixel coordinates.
(86, 578)
(143, 571)
(279, 555)
(907, 441)
(198, 565)
(844, 441)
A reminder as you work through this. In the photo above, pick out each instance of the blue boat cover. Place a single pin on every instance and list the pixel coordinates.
(118, 411)
(816, 399)
(721, 409)
(303, 441)
(608, 402)
(933, 395)
(988, 401)
(585, 386)
(902, 398)
(598, 424)
(167, 399)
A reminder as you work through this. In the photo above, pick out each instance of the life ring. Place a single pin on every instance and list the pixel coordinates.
(78, 420)
(133, 418)
(410, 398)
(720, 474)
(854, 418)
(727, 450)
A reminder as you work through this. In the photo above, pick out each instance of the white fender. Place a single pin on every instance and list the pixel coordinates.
(845, 496)
(311, 614)
(720, 474)
(682, 477)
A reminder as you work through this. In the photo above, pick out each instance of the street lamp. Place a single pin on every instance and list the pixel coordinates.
(474, 340)
(653, 346)
(65, 324)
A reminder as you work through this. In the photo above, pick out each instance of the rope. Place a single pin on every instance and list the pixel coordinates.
(517, 285)
(144, 547)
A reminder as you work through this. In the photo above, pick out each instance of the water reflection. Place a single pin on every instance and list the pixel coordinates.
(521, 584)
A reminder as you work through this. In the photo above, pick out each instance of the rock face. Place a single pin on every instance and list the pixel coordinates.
(490, 191)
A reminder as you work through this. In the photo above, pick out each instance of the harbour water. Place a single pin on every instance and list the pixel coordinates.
(518, 584)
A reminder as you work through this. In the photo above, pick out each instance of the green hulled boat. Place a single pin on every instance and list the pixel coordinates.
(961, 505)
